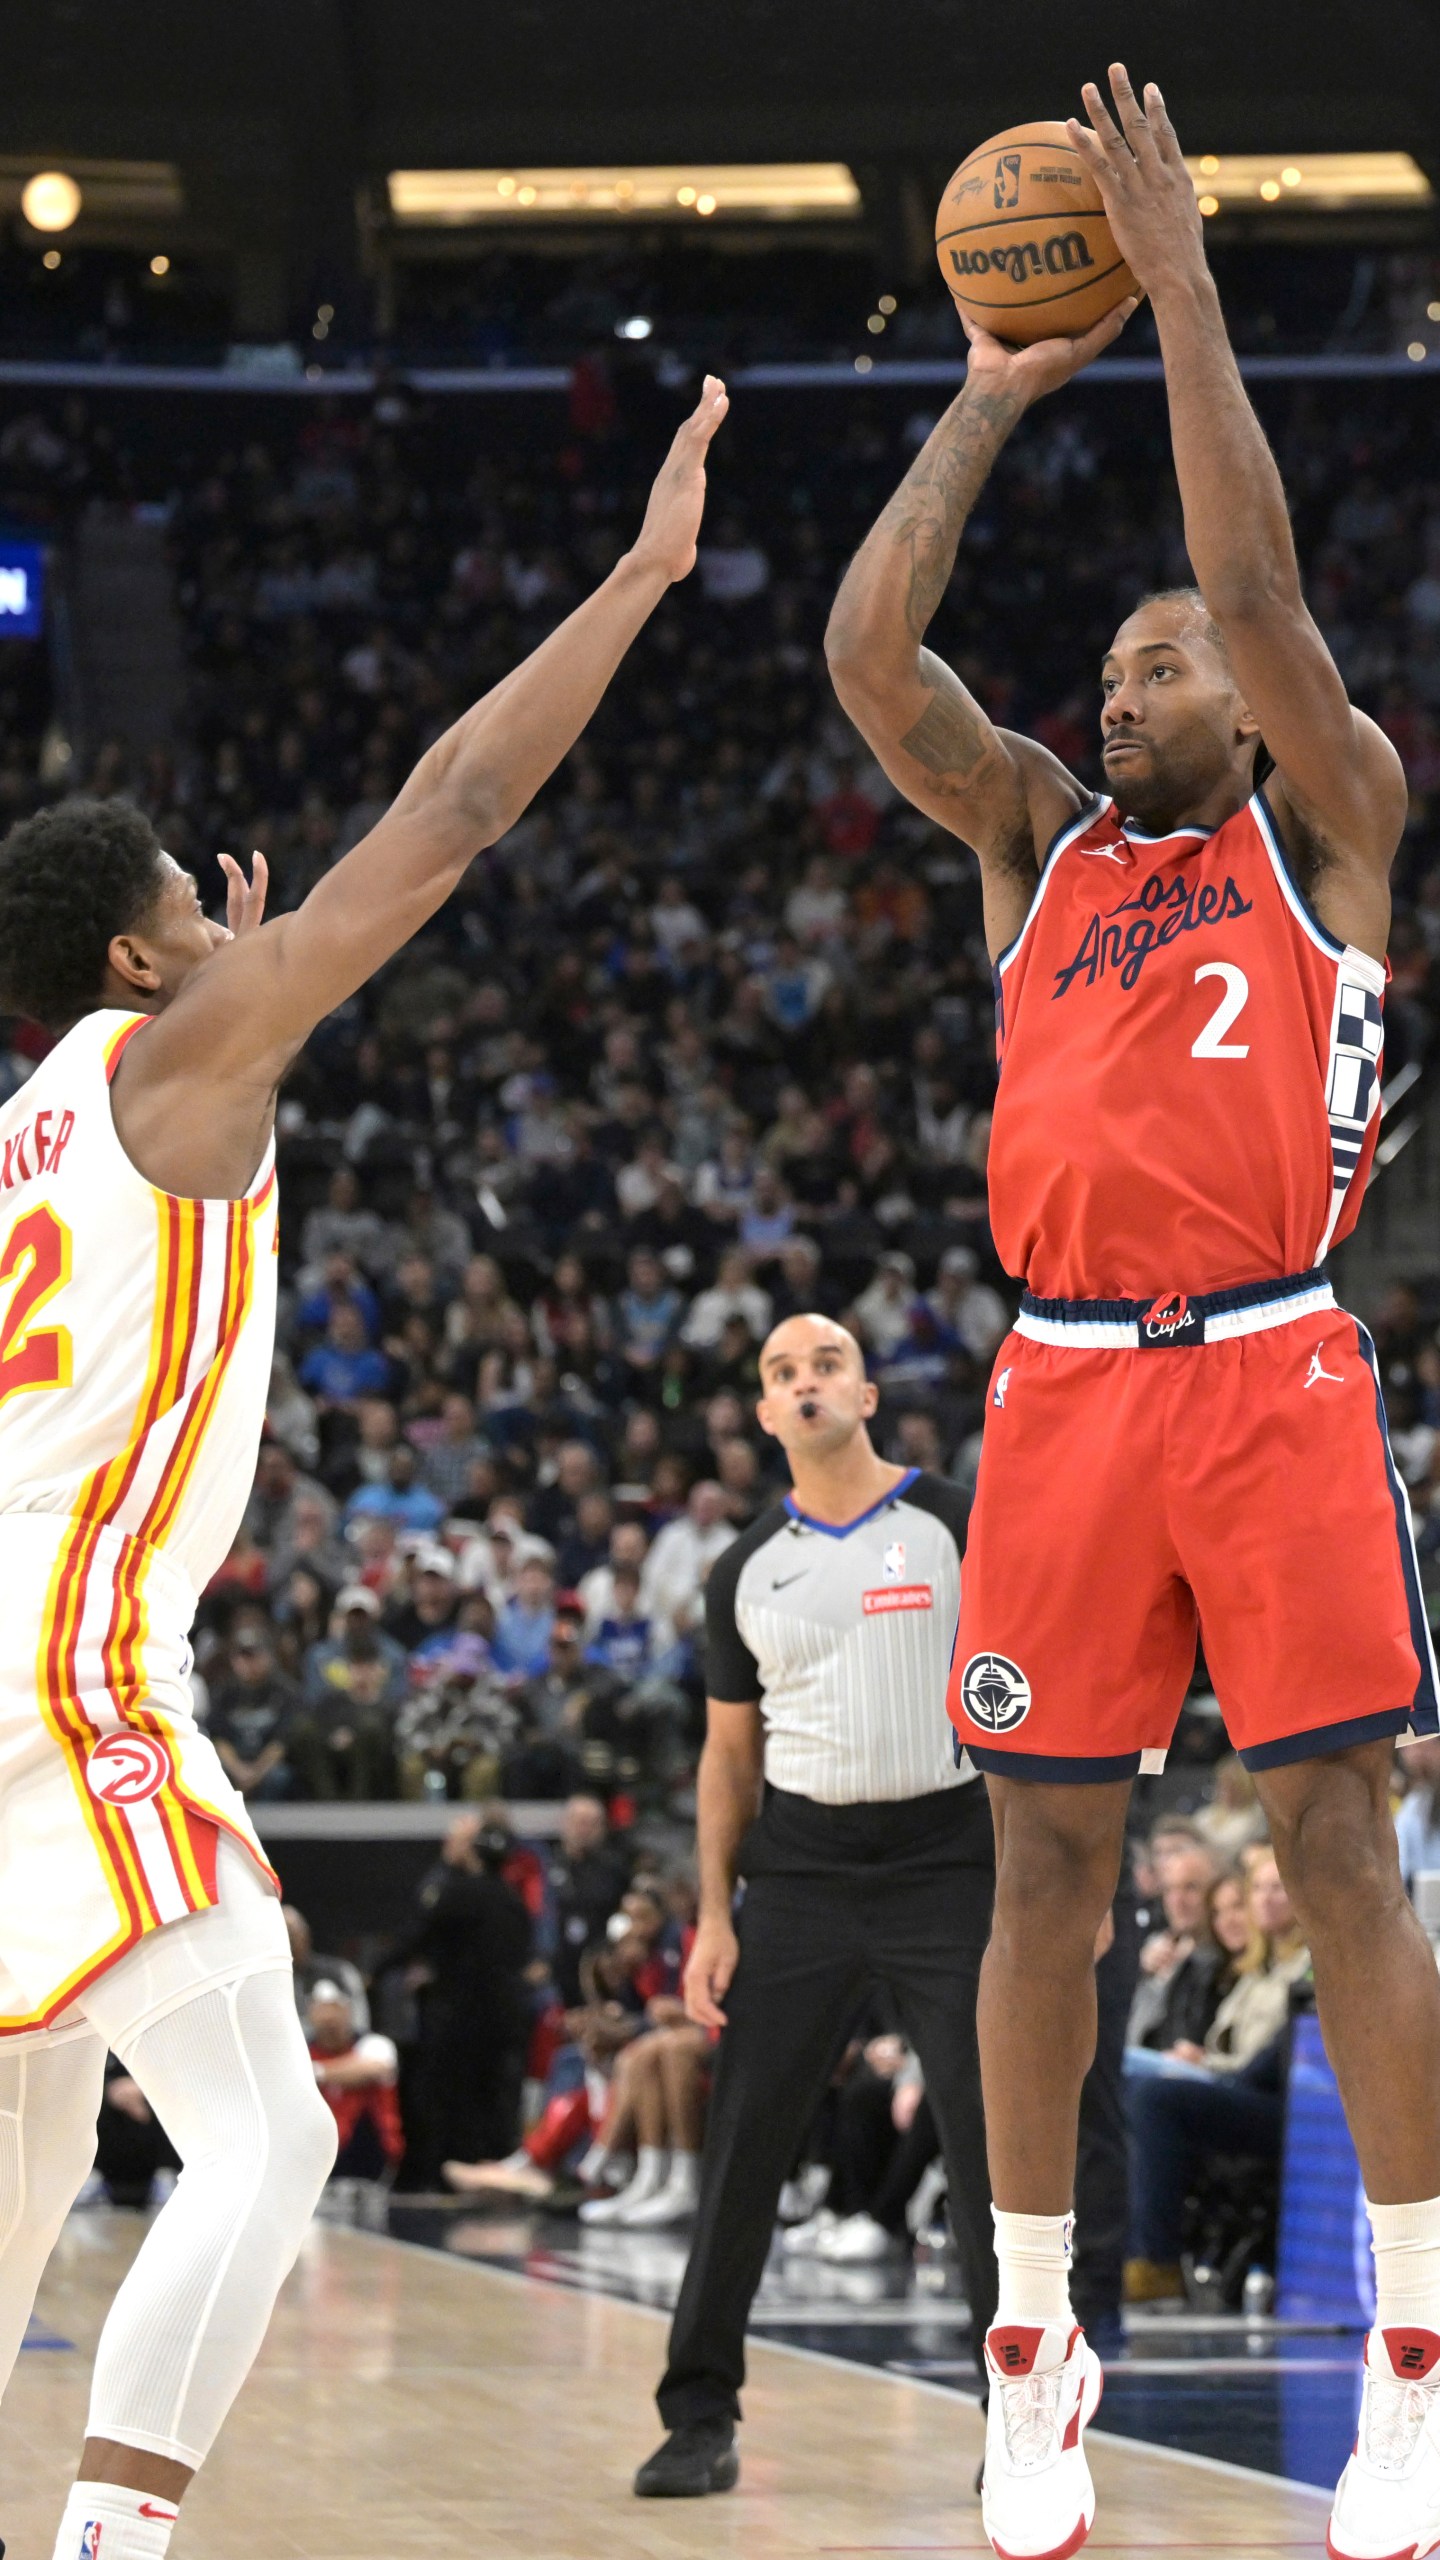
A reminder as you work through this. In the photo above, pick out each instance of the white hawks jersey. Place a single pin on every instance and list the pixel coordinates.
(136, 1336)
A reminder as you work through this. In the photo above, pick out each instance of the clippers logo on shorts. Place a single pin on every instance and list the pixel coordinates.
(128, 1768)
(994, 1692)
(897, 1595)
(1171, 1324)
(892, 1563)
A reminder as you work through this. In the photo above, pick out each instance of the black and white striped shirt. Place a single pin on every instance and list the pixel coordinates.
(844, 1637)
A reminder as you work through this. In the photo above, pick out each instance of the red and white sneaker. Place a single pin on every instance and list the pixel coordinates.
(1038, 2502)
(1387, 2506)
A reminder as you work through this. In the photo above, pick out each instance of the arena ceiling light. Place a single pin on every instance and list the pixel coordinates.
(771, 191)
(1312, 181)
(109, 198)
(51, 200)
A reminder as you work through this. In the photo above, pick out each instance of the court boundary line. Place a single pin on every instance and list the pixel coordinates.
(846, 2364)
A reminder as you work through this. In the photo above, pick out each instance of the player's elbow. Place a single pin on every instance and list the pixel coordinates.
(475, 809)
(852, 646)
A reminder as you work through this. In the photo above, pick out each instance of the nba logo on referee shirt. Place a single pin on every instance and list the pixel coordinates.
(994, 1692)
(892, 1563)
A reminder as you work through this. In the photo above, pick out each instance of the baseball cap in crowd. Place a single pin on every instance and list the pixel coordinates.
(357, 1595)
(436, 1560)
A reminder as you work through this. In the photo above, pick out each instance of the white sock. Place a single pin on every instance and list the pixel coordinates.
(649, 2178)
(1032, 2251)
(102, 2522)
(1407, 2264)
(683, 2182)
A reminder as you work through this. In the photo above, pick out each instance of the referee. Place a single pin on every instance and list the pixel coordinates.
(829, 1783)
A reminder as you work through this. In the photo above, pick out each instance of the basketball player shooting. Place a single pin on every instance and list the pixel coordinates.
(1183, 1427)
(137, 1248)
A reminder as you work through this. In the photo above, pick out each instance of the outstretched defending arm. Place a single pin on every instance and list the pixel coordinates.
(1004, 794)
(1340, 785)
(243, 1015)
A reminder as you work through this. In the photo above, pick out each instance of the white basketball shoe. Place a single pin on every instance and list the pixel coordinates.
(1387, 2506)
(1038, 2502)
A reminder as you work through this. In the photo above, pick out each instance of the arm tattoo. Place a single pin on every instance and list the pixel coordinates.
(927, 514)
(951, 739)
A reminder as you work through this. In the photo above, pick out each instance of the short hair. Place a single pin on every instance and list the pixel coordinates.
(1196, 605)
(71, 878)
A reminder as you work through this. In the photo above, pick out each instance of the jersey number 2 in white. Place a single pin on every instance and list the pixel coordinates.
(1212, 1042)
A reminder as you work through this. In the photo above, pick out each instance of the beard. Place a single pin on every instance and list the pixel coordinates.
(1161, 786)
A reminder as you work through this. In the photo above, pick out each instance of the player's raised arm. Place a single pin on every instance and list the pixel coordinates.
(1337, 774)
(256, 1000)
(1004, 794)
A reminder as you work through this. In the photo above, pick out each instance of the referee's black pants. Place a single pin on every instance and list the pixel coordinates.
(838, 1898)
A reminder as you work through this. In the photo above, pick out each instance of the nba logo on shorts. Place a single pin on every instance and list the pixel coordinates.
(128, 1768)
(892, 1563)
(994, 1692)
(90, 2541)
(1001, 1383)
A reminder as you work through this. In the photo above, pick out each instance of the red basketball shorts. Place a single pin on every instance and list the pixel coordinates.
(1218, 1465)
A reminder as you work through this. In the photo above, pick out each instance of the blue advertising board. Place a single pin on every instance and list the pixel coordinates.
(22, 590)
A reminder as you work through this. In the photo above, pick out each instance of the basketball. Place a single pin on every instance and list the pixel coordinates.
(1023, 241)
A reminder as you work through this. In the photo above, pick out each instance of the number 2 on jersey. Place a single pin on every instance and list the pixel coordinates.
(37, 1260)
(1211, 1042)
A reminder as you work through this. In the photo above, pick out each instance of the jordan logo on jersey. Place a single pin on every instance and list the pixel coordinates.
(1161, 911)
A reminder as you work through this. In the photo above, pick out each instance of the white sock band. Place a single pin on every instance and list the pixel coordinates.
(1032, 2251)
(102, 2522)
(1407, 2263)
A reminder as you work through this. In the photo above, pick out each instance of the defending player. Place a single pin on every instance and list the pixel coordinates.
(1183, 1424)
(137, 1304)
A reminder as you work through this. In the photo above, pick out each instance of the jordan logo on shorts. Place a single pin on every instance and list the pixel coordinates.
(1318, 1370)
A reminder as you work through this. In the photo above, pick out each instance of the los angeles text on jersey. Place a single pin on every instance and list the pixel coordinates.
(36, 1148)
(1162, 911)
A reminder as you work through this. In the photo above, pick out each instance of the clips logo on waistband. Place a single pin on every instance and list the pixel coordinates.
(1171, 1324)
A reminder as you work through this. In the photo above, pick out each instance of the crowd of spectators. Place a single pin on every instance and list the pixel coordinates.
(545, 1189)
(706, 1040)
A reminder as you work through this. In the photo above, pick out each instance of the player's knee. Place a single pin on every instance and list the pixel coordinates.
(308, 2145)
(1336, 1852)
(1054, 1875)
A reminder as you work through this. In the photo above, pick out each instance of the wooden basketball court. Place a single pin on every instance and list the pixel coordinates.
(407, 2403)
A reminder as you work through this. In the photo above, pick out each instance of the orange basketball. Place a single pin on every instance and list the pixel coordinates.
(1023, 241)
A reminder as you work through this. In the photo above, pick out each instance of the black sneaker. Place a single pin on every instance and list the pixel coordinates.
(695, 2461)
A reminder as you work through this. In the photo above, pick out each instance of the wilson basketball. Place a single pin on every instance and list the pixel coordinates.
(1023, 241)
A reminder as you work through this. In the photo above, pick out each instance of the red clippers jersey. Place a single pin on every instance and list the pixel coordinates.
(1190, 1066)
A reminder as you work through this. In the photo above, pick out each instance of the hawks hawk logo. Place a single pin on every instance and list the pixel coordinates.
(128, 1768)
(994, 1692)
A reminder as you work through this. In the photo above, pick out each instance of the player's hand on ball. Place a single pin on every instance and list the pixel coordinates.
(1140, 171)
(245, 899)
(668, 536)
(1027, 373)
(709, 1971)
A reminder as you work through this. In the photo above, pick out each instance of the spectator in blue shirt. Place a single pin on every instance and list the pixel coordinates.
(522, 1627)
(401, 1497)
(624, 1641)
(649, 1311)
(344, 1367)
(340, 1285)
